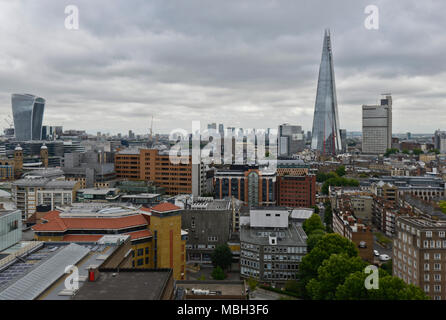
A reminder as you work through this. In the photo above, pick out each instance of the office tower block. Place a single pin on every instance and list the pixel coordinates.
(343, 140)
(326, 137)
(377, 127)
(291, 140)
(440, 140)
(27, 111)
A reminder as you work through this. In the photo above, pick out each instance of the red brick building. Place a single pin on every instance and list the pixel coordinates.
(296, 191)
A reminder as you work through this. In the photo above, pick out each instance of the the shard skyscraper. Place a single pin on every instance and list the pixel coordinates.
(326, 135)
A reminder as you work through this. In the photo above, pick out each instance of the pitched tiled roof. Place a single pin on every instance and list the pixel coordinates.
(165, 207)
(56, 223)
(140, 234)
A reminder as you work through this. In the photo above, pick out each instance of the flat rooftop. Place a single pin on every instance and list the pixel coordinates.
(39, 273)
(127, 284)
(294, 235)
(225, 288)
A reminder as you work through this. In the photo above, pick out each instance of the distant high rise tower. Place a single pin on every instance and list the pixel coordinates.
(291, 140)
(377, 127)
(27, 111)
(326, 136)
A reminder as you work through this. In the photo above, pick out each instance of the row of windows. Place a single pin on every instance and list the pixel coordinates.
(437, 277)
(281, 266)
(249, 263)
(280, 275)
(140, 251)
(427, 288)
(140, 262)
(249, 272)
(200, 246)
(269, 257)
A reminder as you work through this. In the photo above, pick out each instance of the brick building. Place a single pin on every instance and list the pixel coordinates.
(154, 165)
(296, 191)
(419, 254)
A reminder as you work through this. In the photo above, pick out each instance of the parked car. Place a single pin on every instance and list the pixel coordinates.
(362, 244)
(376, 253)
(384, 257)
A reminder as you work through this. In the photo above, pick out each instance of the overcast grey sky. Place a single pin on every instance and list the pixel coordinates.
(244, 63)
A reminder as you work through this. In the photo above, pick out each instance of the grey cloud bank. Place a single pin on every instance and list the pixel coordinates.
(244, 63)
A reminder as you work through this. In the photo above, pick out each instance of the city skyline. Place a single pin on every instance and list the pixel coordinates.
(119, 68)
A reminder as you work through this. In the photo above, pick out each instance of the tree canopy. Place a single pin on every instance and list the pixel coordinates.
(222, 256)
(339, 181)
(218, 273)
(331, 274)
(313, 223)
(325, 247)
(340, 171)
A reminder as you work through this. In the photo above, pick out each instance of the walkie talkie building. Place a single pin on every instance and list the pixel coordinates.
(27, 111)
(326, 135)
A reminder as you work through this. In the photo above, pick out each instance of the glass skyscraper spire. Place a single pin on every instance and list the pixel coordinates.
(326, 135)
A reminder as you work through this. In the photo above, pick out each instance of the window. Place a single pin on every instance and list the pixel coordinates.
(437, 266)
(426, 256)
(147, 250)
(441, 234)
(212, 238)
(140, 262)
(147, 260)
(426, 266)
(437, 277)
(140, 252)
(437, 256)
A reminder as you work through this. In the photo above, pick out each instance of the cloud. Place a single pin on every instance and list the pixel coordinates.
(243, 63)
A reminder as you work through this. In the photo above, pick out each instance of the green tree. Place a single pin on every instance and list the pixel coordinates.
(222, 256)
(390, 151)
(314, 238)
(393, 288)
(321, 176)
(333, 273)
(292, 286)
(325, 247)
(316, 209)
(313, 223)
(353, 287)
(442, 205)
(405, 151)
(252, 283)
(389, 288)
(387, 267)
(328, 216)
(339, 181)
(340, 171)
(417, 151)
(218, 273)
